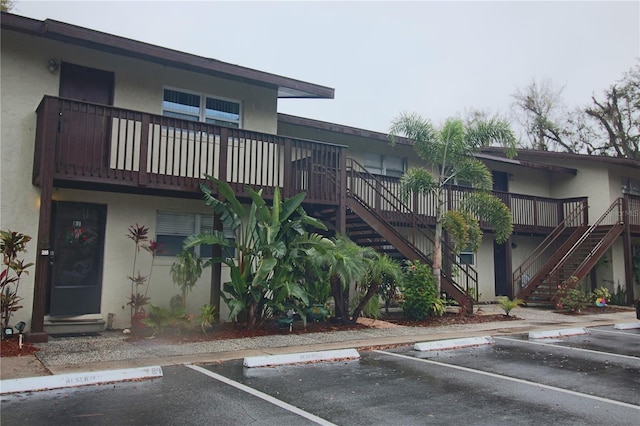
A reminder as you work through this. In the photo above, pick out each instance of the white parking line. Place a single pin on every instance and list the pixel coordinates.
(512, 379)
(591, 351)
(263, 396)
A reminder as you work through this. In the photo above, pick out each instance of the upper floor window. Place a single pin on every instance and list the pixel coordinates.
(200, 107)
(384, 165)
(630, 186)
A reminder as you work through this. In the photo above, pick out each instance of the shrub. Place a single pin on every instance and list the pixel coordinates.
(508, 305)
(619, 297)
(420, 292)
(12, 245)
(571, 299)
(207, 317)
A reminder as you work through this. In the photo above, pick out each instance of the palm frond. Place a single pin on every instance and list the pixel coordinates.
(474, 172)
(492, 210)
(418, 180)
(494, 131)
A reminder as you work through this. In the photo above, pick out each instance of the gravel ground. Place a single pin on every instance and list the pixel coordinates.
(110, 346)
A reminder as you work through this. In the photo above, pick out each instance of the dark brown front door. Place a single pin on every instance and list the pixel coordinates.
(76, 264)
(86, 84)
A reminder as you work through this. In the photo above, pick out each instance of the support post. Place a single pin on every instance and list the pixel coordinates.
(49, 118)
(628, 255)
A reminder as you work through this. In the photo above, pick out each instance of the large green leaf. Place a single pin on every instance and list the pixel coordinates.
(291, 205)
(227, 192)
(265, 267)
(207, 238)
(312, 221)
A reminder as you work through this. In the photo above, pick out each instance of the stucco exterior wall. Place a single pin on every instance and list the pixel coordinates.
(25, 79)
(358, 145)
(485, 268)
(138, 84)
(525, 180)
(124, 210)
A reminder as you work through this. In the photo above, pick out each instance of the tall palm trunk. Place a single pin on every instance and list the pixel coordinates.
(437, 244)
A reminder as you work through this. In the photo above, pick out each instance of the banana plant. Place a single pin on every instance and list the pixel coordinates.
(270, 240)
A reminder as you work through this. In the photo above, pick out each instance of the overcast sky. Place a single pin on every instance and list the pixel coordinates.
(435, 58)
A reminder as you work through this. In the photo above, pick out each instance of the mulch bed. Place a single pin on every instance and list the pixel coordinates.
(234, 331)
(590, 310)
(11, 347)
(228, 330)
(447, 319)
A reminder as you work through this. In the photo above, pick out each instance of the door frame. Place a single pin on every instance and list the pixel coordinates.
(102, 211)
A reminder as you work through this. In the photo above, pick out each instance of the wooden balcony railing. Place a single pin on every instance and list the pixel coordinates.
(105, 145)
(632, 211)
(531, 214)
(89, 144)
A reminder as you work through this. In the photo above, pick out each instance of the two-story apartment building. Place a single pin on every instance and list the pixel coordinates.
(100, 133)
(574, 215)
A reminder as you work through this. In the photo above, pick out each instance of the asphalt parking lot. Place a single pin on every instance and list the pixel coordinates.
(579, 380)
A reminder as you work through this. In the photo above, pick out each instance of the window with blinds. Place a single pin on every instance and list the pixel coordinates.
(385, 165)
(199, 107)
(173, 227)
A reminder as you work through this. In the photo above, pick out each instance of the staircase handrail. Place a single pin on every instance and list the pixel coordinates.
(605, 240)
(542, 248)
(616, 204)
(468, 271)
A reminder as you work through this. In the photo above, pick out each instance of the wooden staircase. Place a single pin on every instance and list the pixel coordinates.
(376, 217)
(567, 256)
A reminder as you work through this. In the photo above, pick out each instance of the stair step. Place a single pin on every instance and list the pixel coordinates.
(73, 326)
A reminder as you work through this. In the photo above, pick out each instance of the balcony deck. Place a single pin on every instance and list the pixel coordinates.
(102, 147)
(84, 145)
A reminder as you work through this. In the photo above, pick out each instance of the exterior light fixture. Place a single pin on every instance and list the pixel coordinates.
(53, 65)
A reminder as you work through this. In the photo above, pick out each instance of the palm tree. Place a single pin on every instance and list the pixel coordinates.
(345, 263)
(449, 152)
(381, 268)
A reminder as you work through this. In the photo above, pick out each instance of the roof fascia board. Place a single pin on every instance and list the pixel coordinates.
(530, 153)
(127, 47)
(339, 128)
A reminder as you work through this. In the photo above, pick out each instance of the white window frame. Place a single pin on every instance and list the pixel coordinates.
(468, 253)
(630, 186)
(202, 109)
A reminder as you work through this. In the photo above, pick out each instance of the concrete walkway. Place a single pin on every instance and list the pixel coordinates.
(110, 350)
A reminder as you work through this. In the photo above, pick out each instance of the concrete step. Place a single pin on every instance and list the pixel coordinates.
(73, 325)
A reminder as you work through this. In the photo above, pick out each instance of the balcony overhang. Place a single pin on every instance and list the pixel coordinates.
(72, 34)
(529, 164)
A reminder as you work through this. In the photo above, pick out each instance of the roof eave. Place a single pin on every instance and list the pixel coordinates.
(286, 87)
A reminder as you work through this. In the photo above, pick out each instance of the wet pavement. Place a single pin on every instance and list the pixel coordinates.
(588, 379)
(110, 350)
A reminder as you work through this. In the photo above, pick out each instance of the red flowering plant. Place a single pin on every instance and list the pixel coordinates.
(139, 234)
(12, 245)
